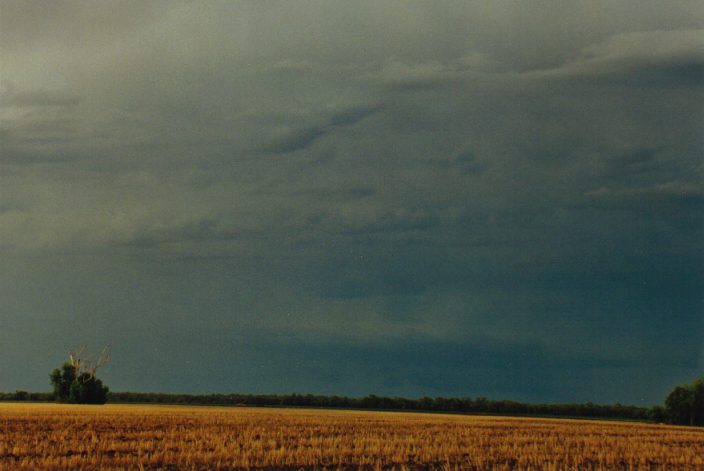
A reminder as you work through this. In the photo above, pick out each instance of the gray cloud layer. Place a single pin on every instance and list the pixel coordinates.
(422, 198)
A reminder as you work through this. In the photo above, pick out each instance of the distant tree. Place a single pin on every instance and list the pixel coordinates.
(75, 382)
(21, 395)
(698, 401)
(685, 404)
(657, 414)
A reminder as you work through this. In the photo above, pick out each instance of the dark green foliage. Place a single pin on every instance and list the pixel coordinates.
(21, 395)
(87, 390)
(26, 396)
(698, 405)
(62, 379)
(685, 404)
(678, 405)
(75, 388)
(657, 414)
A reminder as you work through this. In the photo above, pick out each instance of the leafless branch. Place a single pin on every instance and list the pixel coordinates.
(84, 365)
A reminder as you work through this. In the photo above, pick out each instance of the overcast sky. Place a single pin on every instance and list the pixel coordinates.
(498, 198)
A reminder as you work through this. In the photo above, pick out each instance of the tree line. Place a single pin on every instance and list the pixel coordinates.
(76, 382)
(374, 402)
(479, 405)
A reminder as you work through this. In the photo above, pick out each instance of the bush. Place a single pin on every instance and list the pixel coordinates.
(77, 388)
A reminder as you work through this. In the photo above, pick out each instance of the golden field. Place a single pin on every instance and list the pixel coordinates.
(52, 436)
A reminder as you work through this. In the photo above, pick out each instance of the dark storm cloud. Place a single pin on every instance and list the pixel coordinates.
(446, 198)
(10, 96)
(687, 72)
(672, 196)
(299, 140)
(465, 162)
(445, 367)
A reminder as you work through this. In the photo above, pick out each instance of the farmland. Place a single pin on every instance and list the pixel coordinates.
(52, 436)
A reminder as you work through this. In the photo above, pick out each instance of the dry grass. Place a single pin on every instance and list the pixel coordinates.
(50, 436)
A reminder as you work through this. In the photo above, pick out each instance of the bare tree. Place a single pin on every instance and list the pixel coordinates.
(86, 366)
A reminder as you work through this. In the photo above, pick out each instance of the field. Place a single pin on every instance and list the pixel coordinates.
(50, 436)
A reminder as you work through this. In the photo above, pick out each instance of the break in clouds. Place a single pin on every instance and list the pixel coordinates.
(441, 198)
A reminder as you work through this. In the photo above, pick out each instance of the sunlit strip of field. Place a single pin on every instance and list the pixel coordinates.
(51, 436)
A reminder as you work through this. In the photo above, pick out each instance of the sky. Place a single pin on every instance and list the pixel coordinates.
(448, 198)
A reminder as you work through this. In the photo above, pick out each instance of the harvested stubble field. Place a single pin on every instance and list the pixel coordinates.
(51, 436)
